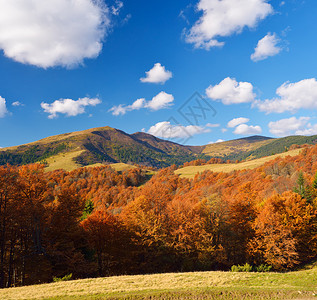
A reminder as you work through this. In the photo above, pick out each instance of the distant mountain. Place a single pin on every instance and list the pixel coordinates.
(257, 146)
(109, 145)
(235, 148)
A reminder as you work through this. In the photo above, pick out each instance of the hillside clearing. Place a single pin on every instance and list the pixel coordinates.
(195, 285)
(191, 171)
(234, 147)
(63, 161)
(121, 167)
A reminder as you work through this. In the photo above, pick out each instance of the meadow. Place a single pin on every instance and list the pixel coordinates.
(196, 285)
(191, 171)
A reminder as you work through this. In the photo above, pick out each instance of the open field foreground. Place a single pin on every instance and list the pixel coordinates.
(191, 171)
(196, 285)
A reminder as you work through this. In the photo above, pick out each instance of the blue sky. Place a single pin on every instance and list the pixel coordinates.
(67, 67)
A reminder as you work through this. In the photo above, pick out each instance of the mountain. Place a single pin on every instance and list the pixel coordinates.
(257, 146)
(100, 145)
(236, 147)
(109, 145)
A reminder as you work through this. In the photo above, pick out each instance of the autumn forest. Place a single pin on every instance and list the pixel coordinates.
(96, 221)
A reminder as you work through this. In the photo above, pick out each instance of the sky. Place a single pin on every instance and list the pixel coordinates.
(192, 71)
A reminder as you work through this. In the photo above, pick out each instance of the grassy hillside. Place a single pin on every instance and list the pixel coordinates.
(236, 147)
(108, 145)
(272, 147)
(196, 285)
(255, 147)
(191, 171)
(99, 145)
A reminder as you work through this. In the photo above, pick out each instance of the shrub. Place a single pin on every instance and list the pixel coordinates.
(263, 268)
(65, 278)
(244, 268)
(249, 268)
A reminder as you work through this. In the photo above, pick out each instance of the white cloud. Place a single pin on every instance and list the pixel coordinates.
(115, 9)
(292, 97)
(52, 32)
(229, 91)
(266, 47)
(123, 109)
(3, 107)
(291, 126)
(245, 129)
(166, 130)
(237, 121)
(210, 125)
(158, 74)
(310, 130)
(160, 101)
(68, 107)
(223, 18)
(218, 141)
(17, 103)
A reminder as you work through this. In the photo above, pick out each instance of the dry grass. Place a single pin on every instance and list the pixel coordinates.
(235, 146)
(61, 137)
(63, 161)
(121, 167)
(302, 284)
(191, 171)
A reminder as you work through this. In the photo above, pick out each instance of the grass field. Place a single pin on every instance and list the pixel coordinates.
(233, 147)
(63, 161)
(196, 285)
(121, 167)
(191, 171)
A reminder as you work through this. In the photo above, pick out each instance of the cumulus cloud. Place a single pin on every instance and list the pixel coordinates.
(166, 130)
(309, 130)
(291, 97)
(160, 101)
(237, 121)
(229, 91)
(218, 141)
(158, 74)
(68, 107)
(52, 32)
(3, 107)
(123, 109)
(266, 47)
(17, 103)
(223, 18)
(245, 129)
(293, 125)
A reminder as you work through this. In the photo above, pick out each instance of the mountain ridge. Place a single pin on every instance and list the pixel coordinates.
(110, 145)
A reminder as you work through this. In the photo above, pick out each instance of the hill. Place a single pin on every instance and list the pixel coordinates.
(98, 145)
(236, 147)
(255, 147)
(106, 145)
(196, 285)
(191, 171)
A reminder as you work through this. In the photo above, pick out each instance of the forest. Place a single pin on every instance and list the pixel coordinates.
(95, 221)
